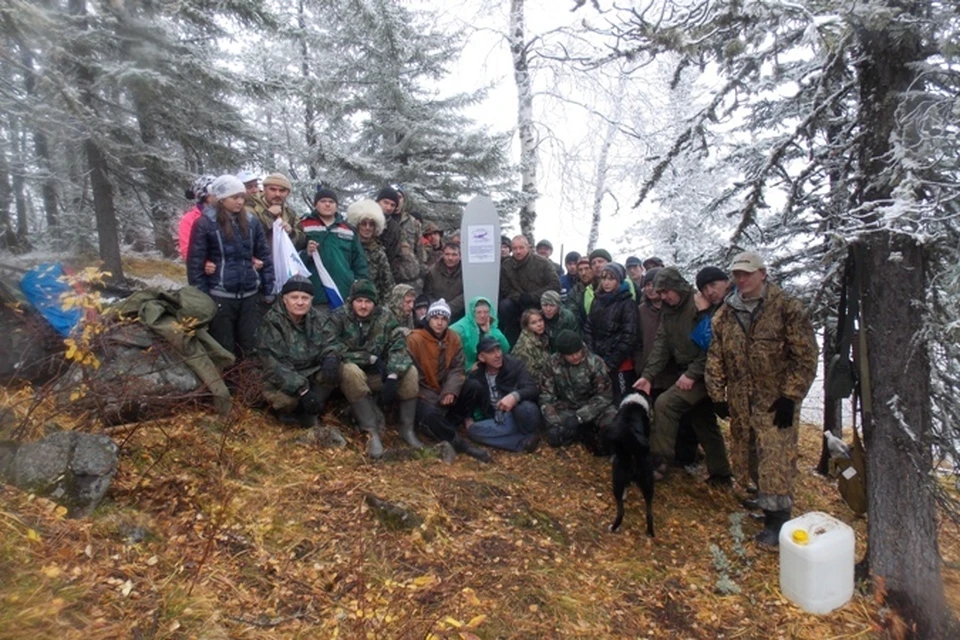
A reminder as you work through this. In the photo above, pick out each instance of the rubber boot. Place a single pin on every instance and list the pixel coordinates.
(408, 415)
(773, 521)
(365, 412)
(462, 446)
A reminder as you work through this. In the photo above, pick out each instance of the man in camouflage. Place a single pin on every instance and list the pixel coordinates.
(761, 363)
(524, 277)
(402, 239)
(577, 400)
(291, 351)
(673, 345)
(271, 203)
(433, 247)
(372, 356)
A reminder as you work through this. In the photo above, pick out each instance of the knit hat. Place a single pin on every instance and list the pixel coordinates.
(649, 276)
(709, 274)
(421, 301)
(200, 188)
(568, 342)
(584, 260)
(430, 228)
(297, 283)
(505, 241)
(439, 308)
(325, 192)
(277, 180)
(601, 253)
(633, 261)
(364, 289)
(616, 269)
(388, 193)
(245, 176)
(545, 243)
(669, 278)
(550, 297)
(748, 261)
(573, 256)
(488, 343)
(225, 186)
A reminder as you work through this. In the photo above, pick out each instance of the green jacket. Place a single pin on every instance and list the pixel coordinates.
(289, 352)
(378, 267)
(565, 319)
(469, 332)
(373, 344)
(256, 206)
(585, 386)
(673, 337)
(342, 254)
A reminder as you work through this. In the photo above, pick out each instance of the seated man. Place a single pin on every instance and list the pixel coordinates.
(290, 347)
(577, 401)
(438, 354)
(504, 396)
(368, 345)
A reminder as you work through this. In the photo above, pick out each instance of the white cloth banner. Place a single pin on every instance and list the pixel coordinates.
(286, 258)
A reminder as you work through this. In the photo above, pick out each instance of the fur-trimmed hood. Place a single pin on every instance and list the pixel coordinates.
(366, 209)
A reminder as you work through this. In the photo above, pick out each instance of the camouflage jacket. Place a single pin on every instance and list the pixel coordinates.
(289, 352)
(373, 344)
(407, 263)
(378, 268)
(534, 352)
(534, 276)
(259, 208)
(776, 355)
(585, 386)
(565, 319)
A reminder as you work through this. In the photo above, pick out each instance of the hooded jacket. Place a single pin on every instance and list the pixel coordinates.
(470, 332)
(673, 337)
(235, 276)
(395, 304)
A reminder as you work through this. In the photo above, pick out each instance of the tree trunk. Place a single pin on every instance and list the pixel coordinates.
(902, 527)
(528, 142)
(832, 409)
(600, 179)
(309, 126)
(163, 238)
(48, 188)
(16, 175)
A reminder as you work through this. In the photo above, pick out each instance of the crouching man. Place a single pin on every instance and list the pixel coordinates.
(366, 343)
(290, 348)
(438, 354)
(502, 393)
(577, 399)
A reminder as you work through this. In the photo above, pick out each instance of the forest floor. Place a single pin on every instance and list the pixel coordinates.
(235, 529)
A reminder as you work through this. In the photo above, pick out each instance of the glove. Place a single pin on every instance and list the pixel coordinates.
(722, 409)
(310, 403)
(527, 300)
(783, 410)
(388, 395)
(330, 371)
(571, 424)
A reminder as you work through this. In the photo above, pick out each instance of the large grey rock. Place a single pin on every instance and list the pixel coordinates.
(71, 468)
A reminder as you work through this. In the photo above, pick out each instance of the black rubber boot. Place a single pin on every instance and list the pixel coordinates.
(462, 446)
(773, 521)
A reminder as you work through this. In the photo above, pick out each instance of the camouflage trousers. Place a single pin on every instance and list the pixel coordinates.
(355, 383)
(766, 454)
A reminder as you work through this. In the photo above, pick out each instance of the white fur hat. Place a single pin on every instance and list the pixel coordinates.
(366, 209)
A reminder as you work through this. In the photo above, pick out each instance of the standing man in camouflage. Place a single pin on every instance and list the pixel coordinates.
(271, 203)
(761, 363)
(402, 239)
(524, 277)
(577, 399)
(673, 345)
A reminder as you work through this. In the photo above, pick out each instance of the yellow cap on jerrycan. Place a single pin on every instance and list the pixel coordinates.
(801, 537)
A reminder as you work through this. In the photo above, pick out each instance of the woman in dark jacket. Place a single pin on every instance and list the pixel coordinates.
(611, 328)
(230, 238)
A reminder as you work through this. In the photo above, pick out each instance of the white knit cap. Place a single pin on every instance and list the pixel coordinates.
(439, 308)
(225, 186)
(245, 176)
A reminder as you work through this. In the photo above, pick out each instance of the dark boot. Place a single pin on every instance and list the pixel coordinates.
(365, 412)
(773, 521)
(750, 503)
(462, 446)
(408, 414)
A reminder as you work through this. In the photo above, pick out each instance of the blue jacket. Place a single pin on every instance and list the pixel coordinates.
(235, 276)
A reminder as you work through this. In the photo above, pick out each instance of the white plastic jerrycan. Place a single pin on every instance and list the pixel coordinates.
(816, 562)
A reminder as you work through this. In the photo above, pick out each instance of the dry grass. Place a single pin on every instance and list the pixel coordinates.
(242, 533)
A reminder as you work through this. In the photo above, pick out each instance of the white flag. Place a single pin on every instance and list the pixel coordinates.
(286, 259)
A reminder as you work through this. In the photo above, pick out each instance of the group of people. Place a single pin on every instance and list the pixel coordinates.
(550, 359)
